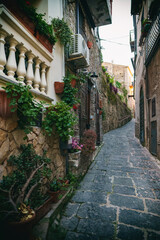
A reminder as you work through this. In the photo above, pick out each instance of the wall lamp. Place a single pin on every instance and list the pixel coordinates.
(93, 75)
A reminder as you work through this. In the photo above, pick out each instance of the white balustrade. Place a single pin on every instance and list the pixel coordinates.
(2, 51)
(24, 70)
(37, 79)
(11, 63)
(43, 78)
(29, 74)
(21, 70)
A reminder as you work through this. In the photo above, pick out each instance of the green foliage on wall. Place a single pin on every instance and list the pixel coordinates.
(62, 118)
(62, 31)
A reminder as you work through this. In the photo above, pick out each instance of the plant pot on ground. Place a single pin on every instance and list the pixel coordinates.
(57, 187)
(16, 190)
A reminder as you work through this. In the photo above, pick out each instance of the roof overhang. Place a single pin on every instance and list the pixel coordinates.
(101, 11)
(136, 6)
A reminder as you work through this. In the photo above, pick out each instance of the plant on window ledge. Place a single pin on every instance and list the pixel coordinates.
(62, 31)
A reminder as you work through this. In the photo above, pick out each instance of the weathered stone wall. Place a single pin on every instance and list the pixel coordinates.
(115, 115)
(153, 72)
(11, 138)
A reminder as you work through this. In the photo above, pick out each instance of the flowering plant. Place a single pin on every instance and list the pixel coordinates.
(89, 140)
(76, 146)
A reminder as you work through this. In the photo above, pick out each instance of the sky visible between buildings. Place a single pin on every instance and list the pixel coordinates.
(115, 37)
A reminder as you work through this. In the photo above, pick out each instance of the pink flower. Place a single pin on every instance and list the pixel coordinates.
(28, 3)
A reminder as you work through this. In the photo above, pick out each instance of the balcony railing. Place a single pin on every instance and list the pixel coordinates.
(22, 57)
(152, 37)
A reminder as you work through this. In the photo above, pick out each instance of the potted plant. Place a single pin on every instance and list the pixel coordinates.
(62, 118)
(75, 151)
(89, 44)
(62, 31)
(59, 87)
(146, 26)
(89, 141)
(69, 94)
(17, 190)
(54, 190)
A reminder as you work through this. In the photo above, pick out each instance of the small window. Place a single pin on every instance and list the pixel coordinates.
(153, 107)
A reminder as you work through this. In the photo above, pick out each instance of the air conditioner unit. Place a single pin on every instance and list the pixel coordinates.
(79, 52)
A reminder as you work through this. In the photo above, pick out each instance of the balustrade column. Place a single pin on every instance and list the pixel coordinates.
(21, 70)
(2, 51)
(43, 78)
(29, 74)
(37, 79)
(11, 63)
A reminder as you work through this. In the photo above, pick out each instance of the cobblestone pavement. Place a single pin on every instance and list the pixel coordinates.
(119, 198)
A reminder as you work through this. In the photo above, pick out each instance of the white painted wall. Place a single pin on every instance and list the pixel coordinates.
(54, 9)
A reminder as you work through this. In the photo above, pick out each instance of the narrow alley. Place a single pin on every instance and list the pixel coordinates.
(119, 198)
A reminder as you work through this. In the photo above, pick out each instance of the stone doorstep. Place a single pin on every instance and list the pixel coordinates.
(41, 229)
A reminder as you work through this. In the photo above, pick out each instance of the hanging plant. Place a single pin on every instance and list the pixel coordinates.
(40, 24)
(27, 107)
(60, 116)
(62, 31)
(69, 94)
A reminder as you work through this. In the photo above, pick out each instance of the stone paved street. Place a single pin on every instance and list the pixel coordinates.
(119, 198)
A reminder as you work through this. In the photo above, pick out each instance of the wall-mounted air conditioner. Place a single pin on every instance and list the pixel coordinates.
(79, 52)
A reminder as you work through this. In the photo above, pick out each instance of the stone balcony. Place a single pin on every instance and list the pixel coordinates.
(22, 57)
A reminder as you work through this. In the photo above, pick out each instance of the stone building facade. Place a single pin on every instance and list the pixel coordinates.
(40, 67)
(146, 16)
(50, 66)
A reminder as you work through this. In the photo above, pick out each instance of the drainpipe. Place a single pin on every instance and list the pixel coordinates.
(77, 16)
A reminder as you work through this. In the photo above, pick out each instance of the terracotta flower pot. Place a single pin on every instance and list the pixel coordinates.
(44, 40)
(73, 82)
(100, 104)
(43, 209)
(5, 109)
(89, 44)
(59, 87)
(54, 195)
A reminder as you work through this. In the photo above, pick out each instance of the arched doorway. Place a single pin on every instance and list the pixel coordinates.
(141, 107)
